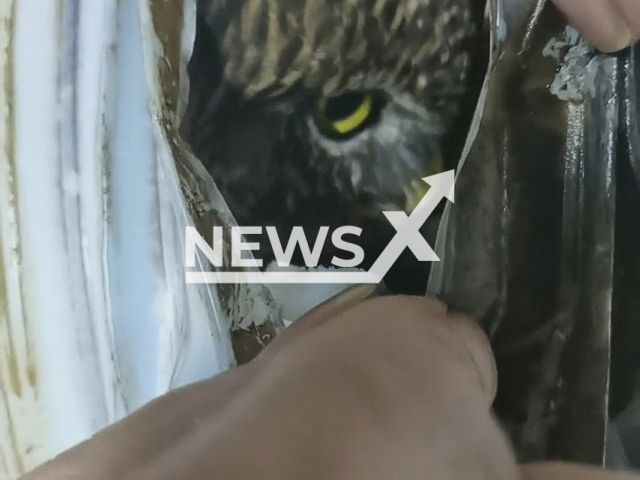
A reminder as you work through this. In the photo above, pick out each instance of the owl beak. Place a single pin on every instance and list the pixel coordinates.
(414, 194)
(417, 188)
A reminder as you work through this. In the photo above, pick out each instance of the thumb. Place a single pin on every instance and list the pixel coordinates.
(609, 25)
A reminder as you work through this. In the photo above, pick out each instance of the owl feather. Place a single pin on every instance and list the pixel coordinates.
(259, 72)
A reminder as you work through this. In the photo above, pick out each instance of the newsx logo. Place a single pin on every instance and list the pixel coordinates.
(407, 236)
(283, 255)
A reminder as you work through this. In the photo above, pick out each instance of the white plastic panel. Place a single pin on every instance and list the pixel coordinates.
(95, 317)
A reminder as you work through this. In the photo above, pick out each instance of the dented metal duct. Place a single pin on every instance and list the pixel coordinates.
(97, 188)
(538, 246)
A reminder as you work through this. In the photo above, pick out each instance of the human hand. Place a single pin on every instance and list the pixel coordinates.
(389, 388)
(609, 25)
(392, 388)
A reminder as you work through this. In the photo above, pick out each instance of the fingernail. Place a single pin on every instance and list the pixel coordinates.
(480, 351)
(621, 40)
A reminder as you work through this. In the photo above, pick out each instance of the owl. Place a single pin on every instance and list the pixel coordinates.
(326, 112)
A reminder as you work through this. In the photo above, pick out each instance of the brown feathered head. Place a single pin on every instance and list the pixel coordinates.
(325, 112)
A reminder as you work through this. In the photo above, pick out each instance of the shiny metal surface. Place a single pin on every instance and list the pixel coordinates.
(541, 247)
(529, 247)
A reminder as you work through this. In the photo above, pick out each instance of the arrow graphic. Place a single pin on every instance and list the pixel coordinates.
(408, 227)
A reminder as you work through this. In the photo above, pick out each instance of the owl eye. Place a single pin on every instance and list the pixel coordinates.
(347, 114)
